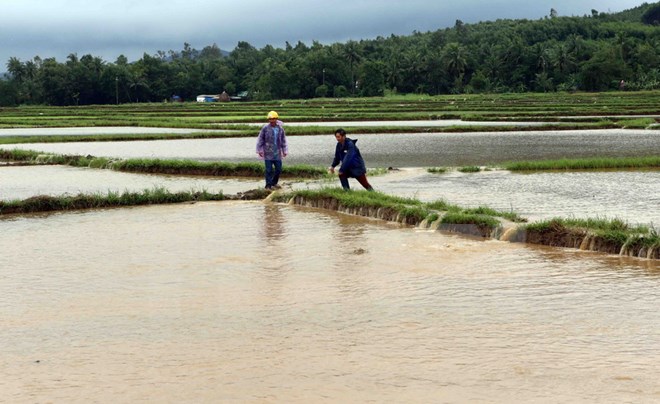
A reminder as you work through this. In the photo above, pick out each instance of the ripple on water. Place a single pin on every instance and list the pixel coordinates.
(250, 301)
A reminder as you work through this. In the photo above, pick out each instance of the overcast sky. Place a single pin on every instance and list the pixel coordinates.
(109, 28)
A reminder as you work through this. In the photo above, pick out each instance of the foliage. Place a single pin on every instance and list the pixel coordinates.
(614, 231)
(437, 170)
(46, 203)
(161, 166)
(586, 163)
(470, 218)
(588, 53)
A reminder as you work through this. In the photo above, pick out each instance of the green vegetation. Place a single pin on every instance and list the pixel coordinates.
(611, 236)
(192, 167)
(484, 210)
(585, 164)
(470, 218)
(555, 111)
(470, 169)
(357, 198)
(639, 123)
(597, 224)
(120, 138)
(160, 166)
(407, 207)
(558, 53)
(437, 170)
(442, 205)
(432, 217)
(409, 210)
(45, 203)
(614, 233)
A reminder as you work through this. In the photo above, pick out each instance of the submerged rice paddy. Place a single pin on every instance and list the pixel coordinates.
(554, 111)
(136, 282)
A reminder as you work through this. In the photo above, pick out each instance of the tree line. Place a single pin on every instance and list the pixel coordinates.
(584, 53)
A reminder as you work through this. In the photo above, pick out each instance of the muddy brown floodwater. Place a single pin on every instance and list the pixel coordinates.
(255, 302)
(263, 302)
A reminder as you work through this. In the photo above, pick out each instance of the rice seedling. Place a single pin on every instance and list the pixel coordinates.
(470, 218)
(437, 170)
(47, 203)
(585, 164)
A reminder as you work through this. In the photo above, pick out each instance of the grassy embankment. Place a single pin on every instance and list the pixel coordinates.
(407, 210)
(161, 166)
(556, 111)
(586, 164)
(595, 163)
(610, 236)
(45, 203)
(192, 167)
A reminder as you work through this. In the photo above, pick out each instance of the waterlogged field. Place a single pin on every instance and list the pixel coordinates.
(561, 110)
(264, 302)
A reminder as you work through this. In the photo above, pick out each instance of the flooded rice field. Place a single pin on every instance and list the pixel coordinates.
(21, 182)
(97, 130)
(251, 302)
(390, 150)
(263, 302)
(632, 196)
(116, 130)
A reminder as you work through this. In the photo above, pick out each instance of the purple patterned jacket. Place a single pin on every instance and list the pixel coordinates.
(266, 145)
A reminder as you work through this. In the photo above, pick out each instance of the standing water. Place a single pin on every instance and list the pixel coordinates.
(259, 302)
(262, 302)
(390, 150)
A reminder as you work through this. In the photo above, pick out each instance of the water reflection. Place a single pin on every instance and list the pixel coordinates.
(273, 224)
(249, 301)
(241, 301)
(632, 196)
(22, 182)
(391, 150)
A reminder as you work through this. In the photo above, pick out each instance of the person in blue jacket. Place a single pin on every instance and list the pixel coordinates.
(352, 164)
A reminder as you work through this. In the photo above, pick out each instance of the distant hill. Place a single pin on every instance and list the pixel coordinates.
(597, 51)
(635, 14)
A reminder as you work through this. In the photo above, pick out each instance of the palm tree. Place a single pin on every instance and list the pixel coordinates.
(352, 55)
(455, 60)
(562, 59)
(393, 74)
(16, 69)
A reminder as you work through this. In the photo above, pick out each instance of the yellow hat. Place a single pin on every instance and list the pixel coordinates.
(273, 114)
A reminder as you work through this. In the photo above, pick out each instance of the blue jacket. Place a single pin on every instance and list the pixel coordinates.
(351, 160)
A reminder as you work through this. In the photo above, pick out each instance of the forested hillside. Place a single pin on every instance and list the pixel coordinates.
(593, 52)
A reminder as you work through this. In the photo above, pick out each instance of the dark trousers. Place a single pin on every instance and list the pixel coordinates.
(362, 179)
(273, 171)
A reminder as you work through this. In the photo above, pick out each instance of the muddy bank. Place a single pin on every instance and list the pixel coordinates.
(377, 212)
(48, 203)
(156, 166)
(555, 235)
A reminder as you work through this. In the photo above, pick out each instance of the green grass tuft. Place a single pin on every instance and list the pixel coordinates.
(470, 169)
(47, 203)
(585, 164)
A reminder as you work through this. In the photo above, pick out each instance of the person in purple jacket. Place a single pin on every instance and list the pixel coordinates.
(272, 148)
(352, 164)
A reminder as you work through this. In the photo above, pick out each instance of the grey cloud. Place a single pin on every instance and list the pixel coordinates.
(56, 28)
